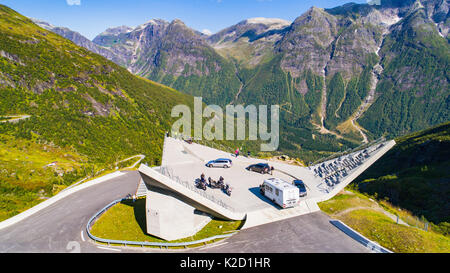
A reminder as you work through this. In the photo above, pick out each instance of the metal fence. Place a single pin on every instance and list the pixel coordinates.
(167, 171)
(349, 151)
(142, 244)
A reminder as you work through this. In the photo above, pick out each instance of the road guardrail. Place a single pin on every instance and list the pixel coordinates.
(142, 244)
(359, 238)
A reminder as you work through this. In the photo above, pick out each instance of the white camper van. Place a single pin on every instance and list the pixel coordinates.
(280, 192)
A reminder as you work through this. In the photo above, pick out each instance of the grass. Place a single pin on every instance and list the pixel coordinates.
(342, 202)
(127, 221)
(367, 219)
(414, 176)
(398, 238)
(26, 178)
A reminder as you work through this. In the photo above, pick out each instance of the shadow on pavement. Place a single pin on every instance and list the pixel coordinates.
(256, 192)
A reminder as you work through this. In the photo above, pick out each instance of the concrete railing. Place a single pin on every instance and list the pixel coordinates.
(167, 171)
(190, 191)
(142, 244)
(359, 238)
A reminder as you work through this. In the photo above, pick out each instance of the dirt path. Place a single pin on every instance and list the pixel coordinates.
(379, 209)
(15, 119)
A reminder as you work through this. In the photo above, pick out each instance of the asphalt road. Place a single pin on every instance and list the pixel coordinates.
(310, 233)
(61, 228)
(56, 228)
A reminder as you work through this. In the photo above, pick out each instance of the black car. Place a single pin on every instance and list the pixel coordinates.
(260, 168)
(301, 186)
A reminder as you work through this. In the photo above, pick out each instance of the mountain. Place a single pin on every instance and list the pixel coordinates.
(76, 98)
(81, 113)
(355, 73)
(342, 76)
(175, 55)
(415, 175)
(249, 42)
(78, 39)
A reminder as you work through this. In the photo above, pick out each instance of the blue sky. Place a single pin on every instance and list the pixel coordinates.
(91, 17)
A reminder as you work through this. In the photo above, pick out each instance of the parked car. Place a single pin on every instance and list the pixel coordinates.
(301, 186)
(220, 163)
(260, 168)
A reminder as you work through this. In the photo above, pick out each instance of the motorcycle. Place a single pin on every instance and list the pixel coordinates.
(214, 184)
(227, 189)
(201, 183)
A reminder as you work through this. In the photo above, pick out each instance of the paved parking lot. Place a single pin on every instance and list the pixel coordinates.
(245, 195)
(188, 161)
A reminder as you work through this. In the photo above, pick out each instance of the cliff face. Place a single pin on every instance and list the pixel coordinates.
(175, 55)
(250, 42)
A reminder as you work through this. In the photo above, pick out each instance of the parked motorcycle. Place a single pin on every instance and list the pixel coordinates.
(201, 183)
(227, 189)
(214, 184)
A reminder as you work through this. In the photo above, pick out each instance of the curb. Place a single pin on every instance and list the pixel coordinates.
(19, 217)
(142, 244)
(375, 247)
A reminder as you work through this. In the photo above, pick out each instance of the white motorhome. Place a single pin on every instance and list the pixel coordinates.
(280, 192)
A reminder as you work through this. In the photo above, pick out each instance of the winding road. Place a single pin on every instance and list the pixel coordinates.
(60, 228)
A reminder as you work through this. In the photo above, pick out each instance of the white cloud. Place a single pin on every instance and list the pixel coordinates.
(207, 32)
(73, 2)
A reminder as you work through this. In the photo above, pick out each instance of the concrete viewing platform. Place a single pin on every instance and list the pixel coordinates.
(183, 163)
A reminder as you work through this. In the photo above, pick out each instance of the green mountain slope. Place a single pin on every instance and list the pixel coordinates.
(82, 112)
(415, 175)
(414, 89)
(77, 98)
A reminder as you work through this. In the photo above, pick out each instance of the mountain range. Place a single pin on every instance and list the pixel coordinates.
(342, 76)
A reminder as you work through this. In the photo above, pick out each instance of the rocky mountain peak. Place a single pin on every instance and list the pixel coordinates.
(178, 22)
(117, 30)
(273, 23)
(152, 22)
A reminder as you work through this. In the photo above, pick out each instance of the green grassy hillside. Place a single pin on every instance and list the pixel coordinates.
(378, 223)
(415, 175)
(85, 113)
(32, 172)
(77, 98)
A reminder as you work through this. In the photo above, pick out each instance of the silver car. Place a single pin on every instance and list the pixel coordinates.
(220, 163)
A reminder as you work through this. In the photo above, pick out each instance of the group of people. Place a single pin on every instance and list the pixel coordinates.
(238, 152)
(220, 184)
